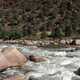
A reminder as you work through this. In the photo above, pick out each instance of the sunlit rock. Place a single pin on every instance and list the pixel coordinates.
(78, 41)
(10, 57)
(63, 41)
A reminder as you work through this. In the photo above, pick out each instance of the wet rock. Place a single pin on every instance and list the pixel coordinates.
(77, 72)
(37, 58)
(10, 57)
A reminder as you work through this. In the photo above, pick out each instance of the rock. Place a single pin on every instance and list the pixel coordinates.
(37, 58)
(78, 41)
(77, 72)
(63, 41)
(73, 42)
(11, 57)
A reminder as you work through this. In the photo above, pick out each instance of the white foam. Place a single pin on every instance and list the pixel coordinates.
(60, 53)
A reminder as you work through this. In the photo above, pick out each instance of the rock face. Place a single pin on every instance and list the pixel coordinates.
(10, 57)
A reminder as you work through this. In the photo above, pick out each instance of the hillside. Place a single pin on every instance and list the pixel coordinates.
(39, 18)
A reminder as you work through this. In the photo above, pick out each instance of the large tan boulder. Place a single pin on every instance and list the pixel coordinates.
(11, 57)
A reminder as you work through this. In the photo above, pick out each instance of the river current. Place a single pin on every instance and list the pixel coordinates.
(60, 65)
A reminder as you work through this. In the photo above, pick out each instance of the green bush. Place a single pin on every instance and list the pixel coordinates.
(44, 35)
(11, 35)
(58, 33)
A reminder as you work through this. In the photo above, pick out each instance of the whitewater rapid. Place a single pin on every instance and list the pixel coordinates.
(60, 65)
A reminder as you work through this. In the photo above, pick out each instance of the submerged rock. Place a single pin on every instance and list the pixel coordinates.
(10, 57)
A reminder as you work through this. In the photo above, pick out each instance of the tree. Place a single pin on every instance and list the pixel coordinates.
(30, 16)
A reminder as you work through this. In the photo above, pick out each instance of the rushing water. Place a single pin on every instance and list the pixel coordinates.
(60, 65)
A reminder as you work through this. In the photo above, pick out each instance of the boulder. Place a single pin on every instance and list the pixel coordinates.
(78, 41)
(37, 58)
(73, 42)
(77, 72)
(11, 57)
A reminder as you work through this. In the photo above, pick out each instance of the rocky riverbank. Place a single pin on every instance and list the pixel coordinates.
(63, 43)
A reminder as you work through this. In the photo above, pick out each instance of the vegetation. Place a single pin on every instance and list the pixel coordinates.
(19, 18)
(11, 35)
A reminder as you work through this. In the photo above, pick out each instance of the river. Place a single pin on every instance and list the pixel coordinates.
(61, 64)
